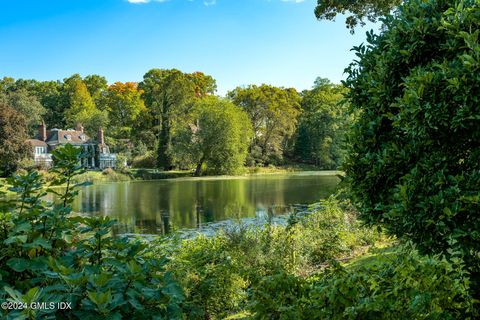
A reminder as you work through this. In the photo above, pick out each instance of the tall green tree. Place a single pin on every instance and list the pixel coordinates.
(51, 96)
(169, 94)
(413, 164)
(125, 104)
(274, 114)
(220, 138)
(97, 87)
(13, 136)
(82, 108)
(322, 125)
(26, 104)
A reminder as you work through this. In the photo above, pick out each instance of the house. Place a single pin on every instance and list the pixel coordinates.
(96, 154)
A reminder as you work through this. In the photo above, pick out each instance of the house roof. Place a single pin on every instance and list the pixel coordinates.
(73, 137)
(36, 143)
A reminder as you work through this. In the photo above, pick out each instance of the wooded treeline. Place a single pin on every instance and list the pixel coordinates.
(174, 120)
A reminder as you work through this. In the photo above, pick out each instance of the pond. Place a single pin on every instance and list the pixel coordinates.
(160, 206)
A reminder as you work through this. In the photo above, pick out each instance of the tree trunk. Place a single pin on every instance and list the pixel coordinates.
(199, 167)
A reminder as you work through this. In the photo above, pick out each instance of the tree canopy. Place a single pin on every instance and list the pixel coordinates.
(82, 108)
(221, 136)
(13, 136)
(26, 104)
(274, 114)
(321, 128)
(124, 104)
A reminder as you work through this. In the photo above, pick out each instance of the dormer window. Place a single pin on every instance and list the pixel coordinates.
(82, 137)
(68, 137)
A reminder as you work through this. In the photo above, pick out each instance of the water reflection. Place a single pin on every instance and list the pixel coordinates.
(158, 206)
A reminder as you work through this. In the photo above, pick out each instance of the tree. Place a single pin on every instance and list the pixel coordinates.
(413, 164)
(169, 95)
(97, 87)
(13, 136)
(51, 96)
(204, 84)
(360, 10)
(26, 104)
(220, 138)
(82, 108)
(321, 127)
(6, 84)
(273, 112)
(124, 102)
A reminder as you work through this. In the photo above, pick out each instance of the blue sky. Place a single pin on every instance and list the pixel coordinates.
(238, 42)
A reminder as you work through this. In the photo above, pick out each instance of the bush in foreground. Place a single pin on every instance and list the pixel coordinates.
(49, 255)
(402, 285)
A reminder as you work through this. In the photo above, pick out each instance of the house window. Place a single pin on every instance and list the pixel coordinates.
(40, 150)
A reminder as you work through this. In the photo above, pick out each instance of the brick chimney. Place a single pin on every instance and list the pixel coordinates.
(100, 136)
(42, 131)
(79, 127)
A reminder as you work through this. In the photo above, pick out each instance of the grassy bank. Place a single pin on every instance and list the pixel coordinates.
(154, 174)
(281, 169)
(3, 186)
(110, 175)
(107, 175)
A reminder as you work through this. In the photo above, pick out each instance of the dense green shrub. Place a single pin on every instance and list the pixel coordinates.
(210, 276)
(331, 230)
(220, 274)
(279, 296)
(414, 160)
(402, 285)
(147, 160)
(47, 254)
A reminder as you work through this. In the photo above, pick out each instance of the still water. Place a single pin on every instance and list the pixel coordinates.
(158, 207)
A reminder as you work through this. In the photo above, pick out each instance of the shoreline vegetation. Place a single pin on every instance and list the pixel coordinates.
(110, 175)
